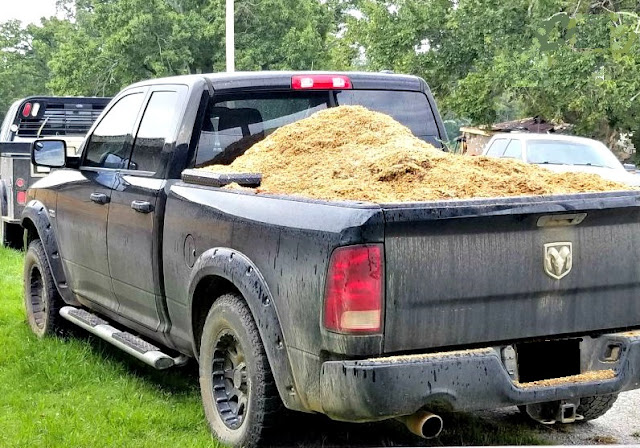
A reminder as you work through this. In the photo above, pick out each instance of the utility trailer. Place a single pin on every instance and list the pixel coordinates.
(15, 165)
(67, 118)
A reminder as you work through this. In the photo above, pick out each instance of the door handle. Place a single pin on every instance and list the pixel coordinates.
(99, 198)
(142, 206)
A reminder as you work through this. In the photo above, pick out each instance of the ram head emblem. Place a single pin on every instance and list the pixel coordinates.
(558, 259)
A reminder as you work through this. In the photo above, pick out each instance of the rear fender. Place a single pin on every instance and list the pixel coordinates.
(236, 268)
(35, 216)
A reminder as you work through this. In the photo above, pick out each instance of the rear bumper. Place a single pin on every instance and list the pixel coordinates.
(380, 388)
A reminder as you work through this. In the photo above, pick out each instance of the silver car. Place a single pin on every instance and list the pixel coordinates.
(561, 153)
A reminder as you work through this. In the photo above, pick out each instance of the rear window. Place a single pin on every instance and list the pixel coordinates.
(412, 109)
(234, 123)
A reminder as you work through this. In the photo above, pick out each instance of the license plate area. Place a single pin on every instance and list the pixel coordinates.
(545, 360)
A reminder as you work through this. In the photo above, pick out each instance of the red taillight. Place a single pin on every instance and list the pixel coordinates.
(354, 294)
(320, 82)
(19, 182)
(26, 110)
(21, 197)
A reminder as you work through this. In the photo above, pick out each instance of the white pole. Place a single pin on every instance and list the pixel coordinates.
(231, 62)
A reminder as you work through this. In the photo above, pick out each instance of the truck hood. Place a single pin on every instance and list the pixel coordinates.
(612, 174)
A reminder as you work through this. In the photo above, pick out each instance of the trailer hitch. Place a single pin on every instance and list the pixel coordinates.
(563, 411)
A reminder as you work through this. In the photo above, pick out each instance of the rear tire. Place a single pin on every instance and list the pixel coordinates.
(592, 408)
(41, 298)
(239, 395)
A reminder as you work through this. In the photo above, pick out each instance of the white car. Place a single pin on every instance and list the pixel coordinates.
(561, 153)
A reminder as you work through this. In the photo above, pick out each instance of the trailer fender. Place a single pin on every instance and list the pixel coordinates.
(3, 198)
(237, 269)
(37, 224)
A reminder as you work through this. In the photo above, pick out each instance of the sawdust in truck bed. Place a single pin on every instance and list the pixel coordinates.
(351, 153)
(586, 377)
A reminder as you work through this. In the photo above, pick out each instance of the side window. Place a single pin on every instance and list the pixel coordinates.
(158, 124)
(514, 150)
(498, 147)
(110, 143)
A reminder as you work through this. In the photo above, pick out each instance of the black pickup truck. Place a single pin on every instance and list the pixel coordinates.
(356, 310)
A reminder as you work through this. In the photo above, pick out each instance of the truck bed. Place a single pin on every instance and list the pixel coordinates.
(467, 272)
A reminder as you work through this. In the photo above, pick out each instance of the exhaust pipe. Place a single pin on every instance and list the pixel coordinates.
(423, 424)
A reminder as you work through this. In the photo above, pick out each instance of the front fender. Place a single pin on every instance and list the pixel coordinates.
(236, 268)
(36, 215)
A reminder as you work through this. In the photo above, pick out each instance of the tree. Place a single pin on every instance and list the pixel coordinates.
(24, 59)
(117, 42)
(493, 60)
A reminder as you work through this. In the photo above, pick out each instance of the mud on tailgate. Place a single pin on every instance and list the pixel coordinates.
(510, 269)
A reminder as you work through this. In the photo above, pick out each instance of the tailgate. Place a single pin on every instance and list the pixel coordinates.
(472, 272)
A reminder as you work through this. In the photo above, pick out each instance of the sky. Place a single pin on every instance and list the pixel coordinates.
(27, 11)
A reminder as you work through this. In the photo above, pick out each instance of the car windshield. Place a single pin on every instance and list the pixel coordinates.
(559, 152)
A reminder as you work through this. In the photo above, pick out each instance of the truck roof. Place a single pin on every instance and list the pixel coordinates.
(282, 80)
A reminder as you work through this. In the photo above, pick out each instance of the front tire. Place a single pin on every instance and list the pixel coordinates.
(239, 395)
(41, 297)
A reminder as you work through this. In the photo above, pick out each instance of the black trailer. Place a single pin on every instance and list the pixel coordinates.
(69, 118)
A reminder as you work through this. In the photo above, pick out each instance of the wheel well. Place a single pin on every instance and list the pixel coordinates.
(32, 232)
(208, 290)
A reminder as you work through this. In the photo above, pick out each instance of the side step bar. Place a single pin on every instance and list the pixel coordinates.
(133, 345)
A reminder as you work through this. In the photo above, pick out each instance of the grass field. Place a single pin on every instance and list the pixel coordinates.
(81, 392)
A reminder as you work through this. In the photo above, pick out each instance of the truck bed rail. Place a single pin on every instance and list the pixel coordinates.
(208, 179)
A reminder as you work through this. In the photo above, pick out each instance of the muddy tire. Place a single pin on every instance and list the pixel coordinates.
(41, 298)
(594, 407)
(239, 394)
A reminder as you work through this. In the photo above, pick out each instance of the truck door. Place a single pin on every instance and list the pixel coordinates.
(136, 212)
(83, 204)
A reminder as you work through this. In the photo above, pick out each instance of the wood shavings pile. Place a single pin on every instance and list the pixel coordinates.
(351, 153)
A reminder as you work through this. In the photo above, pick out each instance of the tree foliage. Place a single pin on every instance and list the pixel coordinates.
(493, 60)
(106, 44)
(485, 60)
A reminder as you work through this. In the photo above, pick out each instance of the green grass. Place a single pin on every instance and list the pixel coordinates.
(81, 392)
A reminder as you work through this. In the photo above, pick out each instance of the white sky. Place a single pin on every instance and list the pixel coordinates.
(27, 11)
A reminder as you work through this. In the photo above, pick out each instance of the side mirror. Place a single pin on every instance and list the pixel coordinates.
(49, 153)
